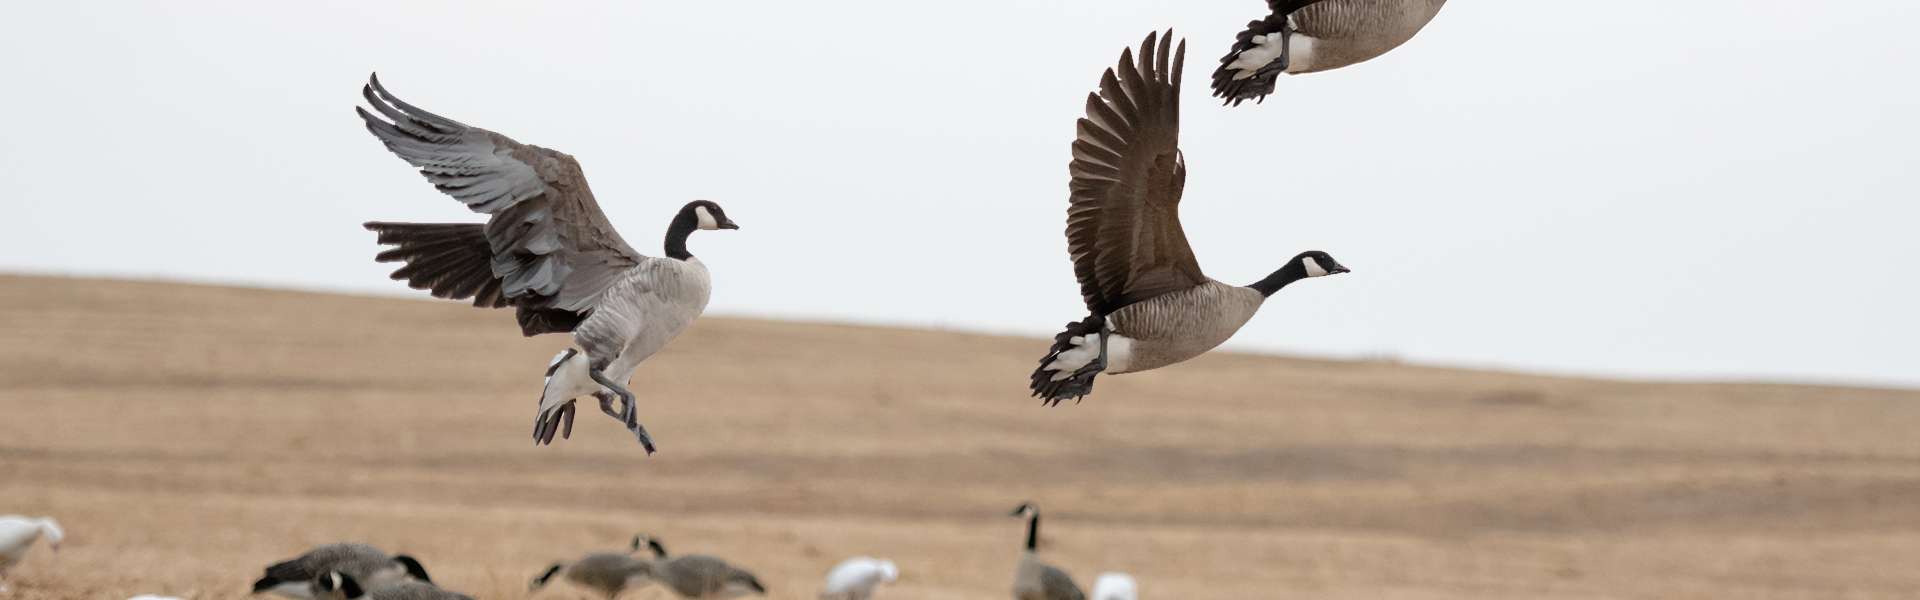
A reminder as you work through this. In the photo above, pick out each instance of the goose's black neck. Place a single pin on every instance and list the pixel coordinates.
(1033, 531)
(1293, 271)
(682, 226)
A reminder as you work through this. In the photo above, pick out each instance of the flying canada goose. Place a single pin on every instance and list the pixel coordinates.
(1151, 306)
(856, 578)
(1304, 36)
(698, 576)
(1115, 586)
(17, 535)
(294, 578)
(609, 573)
(548, 251)
(334, 585)
(1034, 579)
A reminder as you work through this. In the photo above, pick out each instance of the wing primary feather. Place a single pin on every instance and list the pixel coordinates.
(427, 118)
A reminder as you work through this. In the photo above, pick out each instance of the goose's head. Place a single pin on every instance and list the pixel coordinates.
(334, 584)
(1319, 264)
(706, 214)
(646, 541)
(1026, 509)
(50, 530)
(413, 567)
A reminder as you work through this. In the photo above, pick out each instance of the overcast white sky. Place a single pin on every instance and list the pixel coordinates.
(1708, 188)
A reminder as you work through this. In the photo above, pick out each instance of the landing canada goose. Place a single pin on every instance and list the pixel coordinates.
(294, 578)
(1034, 579)
(698, 576)
(548, 251)
(17, 535)
(856, 578)
(1115, 586)
(1151, 306)
(609, 573)
(334, 585)
(1304, 36)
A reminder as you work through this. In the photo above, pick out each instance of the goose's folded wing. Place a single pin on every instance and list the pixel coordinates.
(548, 245)
(1228, 82)
(1123, 224)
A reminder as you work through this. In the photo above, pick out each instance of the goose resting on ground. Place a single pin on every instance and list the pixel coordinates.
(296, 577)
(1115, 586)
(856, 578)
(1034, 579)
(1151, 306)
(609, 573)
(698, 576)
(548, 251)
(1305, 36)
(17, 535)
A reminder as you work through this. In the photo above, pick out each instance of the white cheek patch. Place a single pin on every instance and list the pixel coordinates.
(706, 218)
(1313, 267)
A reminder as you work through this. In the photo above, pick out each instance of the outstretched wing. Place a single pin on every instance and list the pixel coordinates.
(1123, 226)
(548, 247)
(1230, 83)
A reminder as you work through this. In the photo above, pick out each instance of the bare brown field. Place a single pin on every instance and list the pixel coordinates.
(188, 435)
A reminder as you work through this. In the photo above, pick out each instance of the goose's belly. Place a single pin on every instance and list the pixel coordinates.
(1127, 353)
(645, 313)
(1154, 334)
(661, 323)
(1375, 27)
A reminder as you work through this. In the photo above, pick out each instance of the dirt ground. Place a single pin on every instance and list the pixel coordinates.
(186, 436)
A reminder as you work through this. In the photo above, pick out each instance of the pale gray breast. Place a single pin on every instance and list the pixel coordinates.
(1037, 580)
(646, 308)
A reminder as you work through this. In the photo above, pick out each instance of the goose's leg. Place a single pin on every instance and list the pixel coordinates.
(606, 406)
(631, 413)
(1098, 364)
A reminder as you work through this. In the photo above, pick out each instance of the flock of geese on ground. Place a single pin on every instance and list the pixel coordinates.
(349, 571)
(549, 252)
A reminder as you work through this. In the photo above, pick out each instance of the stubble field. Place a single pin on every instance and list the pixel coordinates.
(186, 436)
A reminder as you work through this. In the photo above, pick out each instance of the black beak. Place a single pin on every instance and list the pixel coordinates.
(729, 225)
(1338, 270)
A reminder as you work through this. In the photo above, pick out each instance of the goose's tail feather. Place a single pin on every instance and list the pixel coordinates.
(1051, 382)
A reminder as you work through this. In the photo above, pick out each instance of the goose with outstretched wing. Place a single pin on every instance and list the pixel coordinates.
(1150, 304)
(546, 250)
